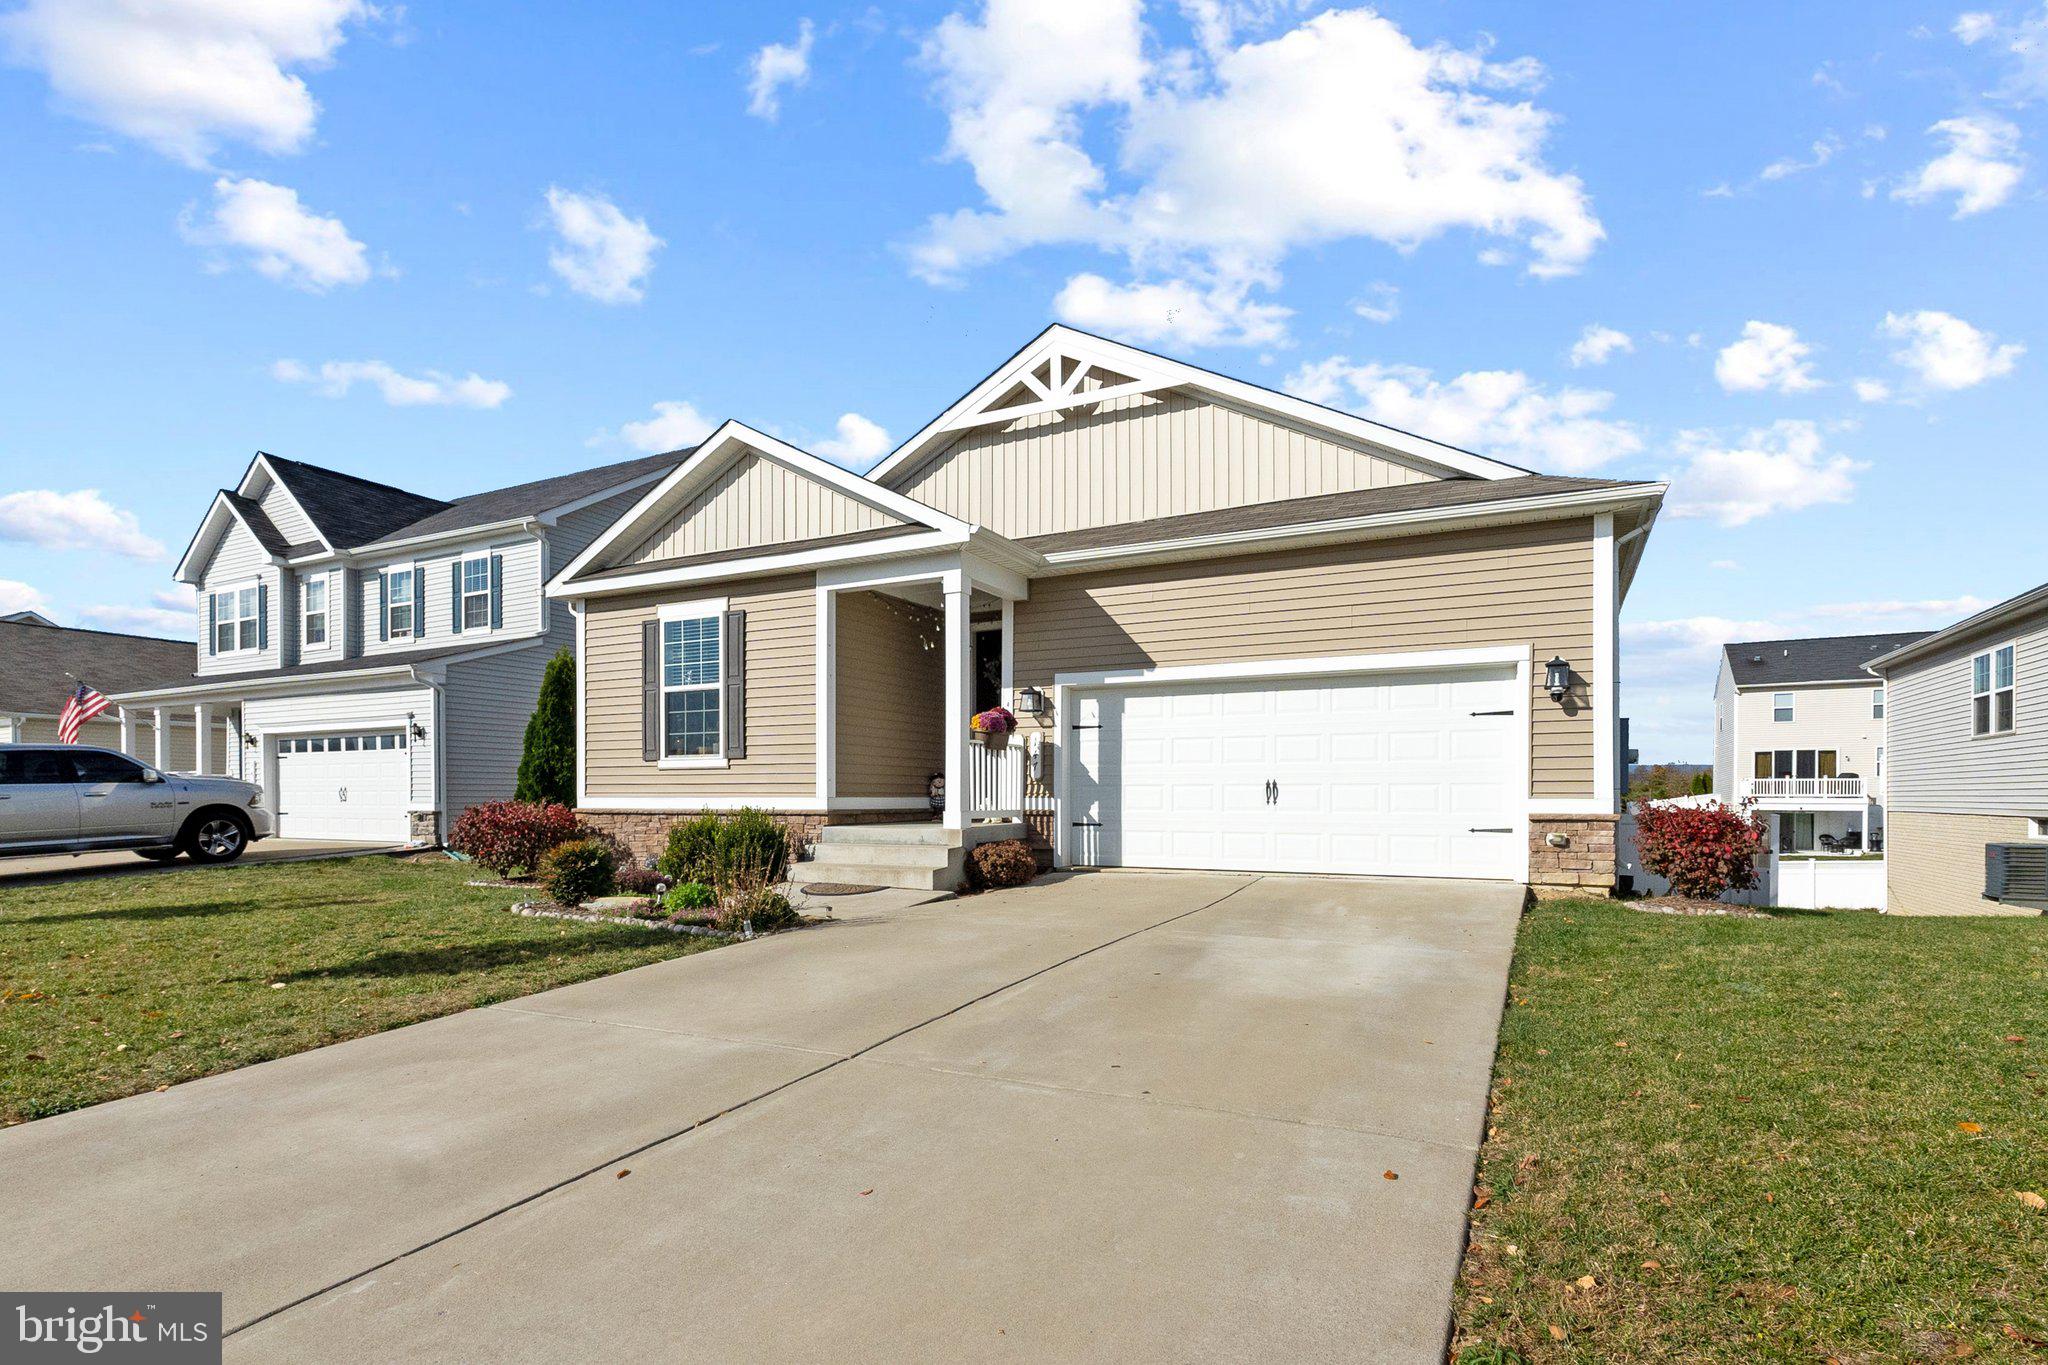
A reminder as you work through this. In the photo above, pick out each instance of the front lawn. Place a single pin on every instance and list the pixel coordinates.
(114, 985)
(1799, 1137)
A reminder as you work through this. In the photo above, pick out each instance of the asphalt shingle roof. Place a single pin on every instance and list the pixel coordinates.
(1827, 658)
(40, 665)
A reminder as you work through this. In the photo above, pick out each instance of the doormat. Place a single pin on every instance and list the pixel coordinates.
(838, 889)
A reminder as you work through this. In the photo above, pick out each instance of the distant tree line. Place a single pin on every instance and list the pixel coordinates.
(1660, 780)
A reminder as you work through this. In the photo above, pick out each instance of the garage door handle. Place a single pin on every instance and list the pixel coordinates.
(1508, 712)
(1491, 829)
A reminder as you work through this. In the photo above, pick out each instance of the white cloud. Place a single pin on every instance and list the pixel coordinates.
(858, 444)
(1981, 167)
(1872, 390)
(775, 66)
(185, 75)
(602, 253)
(1780, 468)
(1974, 27)
(1381, 302)
(1683, 650)
(1502, 414)
(2024, 44)
(1769, 356)
(674, 425)
(285, 241)
(1229, 157)
(432, 388)
(74, 521)
(1598, 344)
(1944, 352)
(1930, 611)
(1179, 310)
(1823, 152)
(16, 595)
(169, 613)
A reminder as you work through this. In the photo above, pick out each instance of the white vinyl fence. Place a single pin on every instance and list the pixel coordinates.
(1796, 883)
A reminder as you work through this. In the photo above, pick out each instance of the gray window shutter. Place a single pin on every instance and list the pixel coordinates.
(736, 684)
(455, 595)
(497, 591)
(419, 601)
(212, 640)
(262, 616)
(383, 605)
(650, 689)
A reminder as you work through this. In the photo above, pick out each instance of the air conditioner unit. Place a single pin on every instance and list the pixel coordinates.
(2016, 874)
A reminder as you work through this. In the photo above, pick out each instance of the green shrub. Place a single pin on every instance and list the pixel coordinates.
(577, 871)
(687, 897)
(751, 848)
(765, 910)
(547, 767)
(1001, 862)
(692, 852)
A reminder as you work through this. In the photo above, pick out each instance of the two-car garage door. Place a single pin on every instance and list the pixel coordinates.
(356, 785)
(1400, 774)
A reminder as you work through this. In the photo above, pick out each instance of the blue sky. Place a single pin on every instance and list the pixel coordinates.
(1785, 255)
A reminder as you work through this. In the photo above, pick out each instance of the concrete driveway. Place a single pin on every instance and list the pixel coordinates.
(1142, 1117)
(57, 865)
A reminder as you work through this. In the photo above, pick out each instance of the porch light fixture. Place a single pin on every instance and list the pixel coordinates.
(1030, 702)
(248, 741)
(1557, 678)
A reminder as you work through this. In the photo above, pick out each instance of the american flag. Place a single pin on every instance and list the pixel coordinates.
(82, 707)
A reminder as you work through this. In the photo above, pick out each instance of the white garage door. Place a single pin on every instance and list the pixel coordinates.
(347, 786)
(1409, 774)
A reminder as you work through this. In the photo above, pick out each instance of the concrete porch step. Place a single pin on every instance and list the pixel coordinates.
(945, 877)
(930, 835)
(883, 855)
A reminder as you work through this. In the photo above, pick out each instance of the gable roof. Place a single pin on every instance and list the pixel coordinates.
(1826, 658)
(40, 664)
(346, 509)
(263, 528)
(1149, 372)
(2010, 611)
(534, 498)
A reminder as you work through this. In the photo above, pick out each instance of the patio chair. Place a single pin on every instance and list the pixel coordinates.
(1830, 844)
(1852, 842)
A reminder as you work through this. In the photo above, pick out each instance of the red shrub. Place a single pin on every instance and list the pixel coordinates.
(1001, 862)
(509, 837)
(1701, 850)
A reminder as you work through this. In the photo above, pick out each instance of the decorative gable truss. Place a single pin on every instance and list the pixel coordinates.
(1066, 378)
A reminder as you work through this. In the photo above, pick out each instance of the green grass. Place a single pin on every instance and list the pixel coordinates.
(1780, 1135)
(114, 985)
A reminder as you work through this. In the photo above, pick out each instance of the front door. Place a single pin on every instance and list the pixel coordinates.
(988, 668)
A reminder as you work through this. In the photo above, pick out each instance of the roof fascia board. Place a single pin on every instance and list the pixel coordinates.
(555, 514)
(563, 586)
(187, 571)
(270, 472)
(2013, 607)
(377, 549)
(345, 678)
(1162, 371)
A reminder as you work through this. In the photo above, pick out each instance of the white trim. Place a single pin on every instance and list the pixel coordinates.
(768, 562)
(1159, 372)
(1006, 685)
(704, 608)
(690, 611)
(827, 702)
(699, 761)
(2004, 611)
(326, 613)
(2037, 826)
(578, 614)
(1570, 805)
(275, 683)
(1990, 654)
(955, 657)
(410, 545)
(805, 804)
(414, 583)
(729, 440)
(185, 572)
(1300, 668)
(1606, 684)
(234, 589)
(555, 514)
(270, 472)
(935, 566)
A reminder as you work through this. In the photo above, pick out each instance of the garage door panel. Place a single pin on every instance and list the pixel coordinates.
(1389, 775)
(355, 785)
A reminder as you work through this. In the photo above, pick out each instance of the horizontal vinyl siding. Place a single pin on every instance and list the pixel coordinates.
(890, 691)
(284, 514)
(1526, 586)
(240, 560)
(294, 617)
(1149, 455)
(520, 598)
(1933, 763)
(757, 502)
(1935, 863)
(570, 537)
(782, 684)
(488, 703)
(106, 734)
(1835, 718)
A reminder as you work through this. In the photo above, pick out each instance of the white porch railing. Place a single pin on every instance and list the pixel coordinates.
(1765, 788)
(995, 780)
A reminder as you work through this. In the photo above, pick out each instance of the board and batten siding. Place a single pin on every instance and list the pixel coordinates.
(519, 598)
(239, 559)
(782, 684)
(1526, 585)
(1135, 458)
(757, 502)
(1932, 761)
(889, 695)
(487, 705)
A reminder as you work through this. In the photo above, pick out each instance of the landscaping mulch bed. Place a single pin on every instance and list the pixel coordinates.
(1689, 905)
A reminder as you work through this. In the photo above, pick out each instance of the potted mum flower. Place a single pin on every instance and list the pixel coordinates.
(994, 726)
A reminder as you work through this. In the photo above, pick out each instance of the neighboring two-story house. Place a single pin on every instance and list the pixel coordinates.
(1968, 754)
(1242, 631)
(374, 653)
(1799, 731)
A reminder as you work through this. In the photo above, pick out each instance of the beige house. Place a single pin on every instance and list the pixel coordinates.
(1967, 725)
(1239, 630)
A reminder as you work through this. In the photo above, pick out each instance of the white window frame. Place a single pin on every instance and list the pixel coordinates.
(319, 581)
(713, 608)
(254, 620)
(1991, 690)
(411, 604)
(1877, 703)
(2037, 826)
(1790, 708)
(483, 594)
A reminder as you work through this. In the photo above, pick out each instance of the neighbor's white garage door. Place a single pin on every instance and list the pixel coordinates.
(1410, 774)
(346, 786)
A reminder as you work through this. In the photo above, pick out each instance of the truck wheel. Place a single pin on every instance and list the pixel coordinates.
(216, 836)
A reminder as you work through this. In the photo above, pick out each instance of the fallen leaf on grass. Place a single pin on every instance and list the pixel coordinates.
(1556, 1332)
(1969, 1127)
(2014, 1038)
(1653, 1265)
(2017, 1335)
(1481, 1200)
(1512, 1250)
(1621, 1042)
(2031, 1200)
(1587, 1282)
(1770, 1198)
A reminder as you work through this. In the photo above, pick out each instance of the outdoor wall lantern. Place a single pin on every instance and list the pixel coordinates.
(248, 741)
(1030, 702)
(1557, 678)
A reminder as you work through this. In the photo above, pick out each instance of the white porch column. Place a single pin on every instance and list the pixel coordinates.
(957, 658)
(160, 719)
(202, 739)
(128, 741)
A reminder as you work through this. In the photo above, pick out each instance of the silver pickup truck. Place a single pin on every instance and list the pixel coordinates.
(66, 798)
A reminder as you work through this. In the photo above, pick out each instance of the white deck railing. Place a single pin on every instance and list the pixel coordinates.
(1765, 788)
(995, 780)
